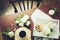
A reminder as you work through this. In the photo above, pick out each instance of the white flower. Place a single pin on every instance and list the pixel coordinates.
(51, 24)
(47, 30)
(11, 34)
(17, 21)
(20, 24)
(28, 23)
(26, 17)
(23, 20)
(51, 12)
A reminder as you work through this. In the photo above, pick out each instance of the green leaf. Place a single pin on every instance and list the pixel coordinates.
(7, 30)
(51, 30)
(18, 19)
(22, 15)
(55, 9)
(48, 34)
(5, 33)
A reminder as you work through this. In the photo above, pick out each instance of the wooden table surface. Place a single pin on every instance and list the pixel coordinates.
(7, 21)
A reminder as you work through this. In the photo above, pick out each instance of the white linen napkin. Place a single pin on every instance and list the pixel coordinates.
(39, 14)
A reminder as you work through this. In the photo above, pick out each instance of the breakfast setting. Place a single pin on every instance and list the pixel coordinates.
(30, 20)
